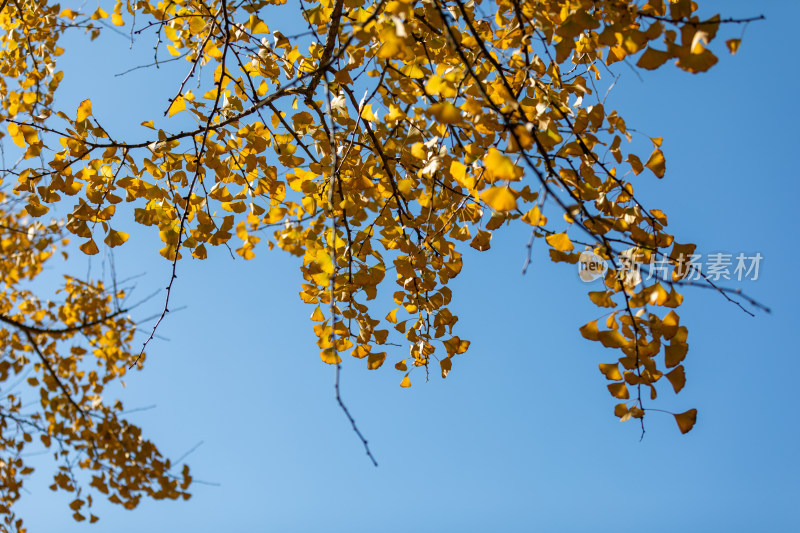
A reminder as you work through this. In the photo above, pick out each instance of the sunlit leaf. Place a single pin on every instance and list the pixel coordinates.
(89, 247)
(115, 238)
(330, 356)
(499, 199)
(611, 371)
(178, 105)
(84, 110)
(560, 242)
(656, 163)
(618, 390)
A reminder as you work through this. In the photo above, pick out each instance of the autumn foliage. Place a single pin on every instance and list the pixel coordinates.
(377, 141)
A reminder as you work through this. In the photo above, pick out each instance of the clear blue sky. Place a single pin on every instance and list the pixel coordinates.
(520, 436)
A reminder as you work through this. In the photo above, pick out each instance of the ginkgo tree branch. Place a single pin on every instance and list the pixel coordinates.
(27, 328)
(54, 374)
(184, 216)
(697, 23)
(334, 177)
(327, 53)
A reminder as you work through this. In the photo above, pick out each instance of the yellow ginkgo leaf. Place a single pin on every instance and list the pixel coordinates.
(406, 382)
(602, 299)
(669, 325)
(675, 352)
(329, 355)
(317, 315)
(392, 44)
(401, 365)
(611, 371)
(482, 241)
(499, 167)
(534, 217)
(733, 45)
(89, 247)
(499, 199)
(178, 105)
(656, 163)
(652, 59)
(560, 242)
(612, 339)
(84, 110)
(686, 420)
(446, 113)
(99, 14)
(447, 365)
(116, 18)
(677, 377)
(618, 390)
(367, 114)
(375, 360)
(459, 172)
(36, 209)
(590, 331)
(115, 238)
(636, 163)
(200, 252)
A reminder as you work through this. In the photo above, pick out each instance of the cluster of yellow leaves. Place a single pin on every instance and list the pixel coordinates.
(59, 355)
(473, 116)
(67, 352)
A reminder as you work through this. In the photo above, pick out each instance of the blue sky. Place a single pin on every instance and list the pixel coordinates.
(521, 435)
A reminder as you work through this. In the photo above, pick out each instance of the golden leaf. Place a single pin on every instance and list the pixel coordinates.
(652, 59)
(115, 238)
(686, 420)
(590, 331)
(560, 242)
(84, 110)
(330, 356)
(89, 247)
(499, 167)
(499, 198)
(656, 163)
(602, 299)
(611, 371)
(178, 105)
(618, 390)
(534, 217)
(317, 315)
(677, 377)
(481, 242)
(446, 365)
(375, 360)
(446, 113)
(99, 14)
